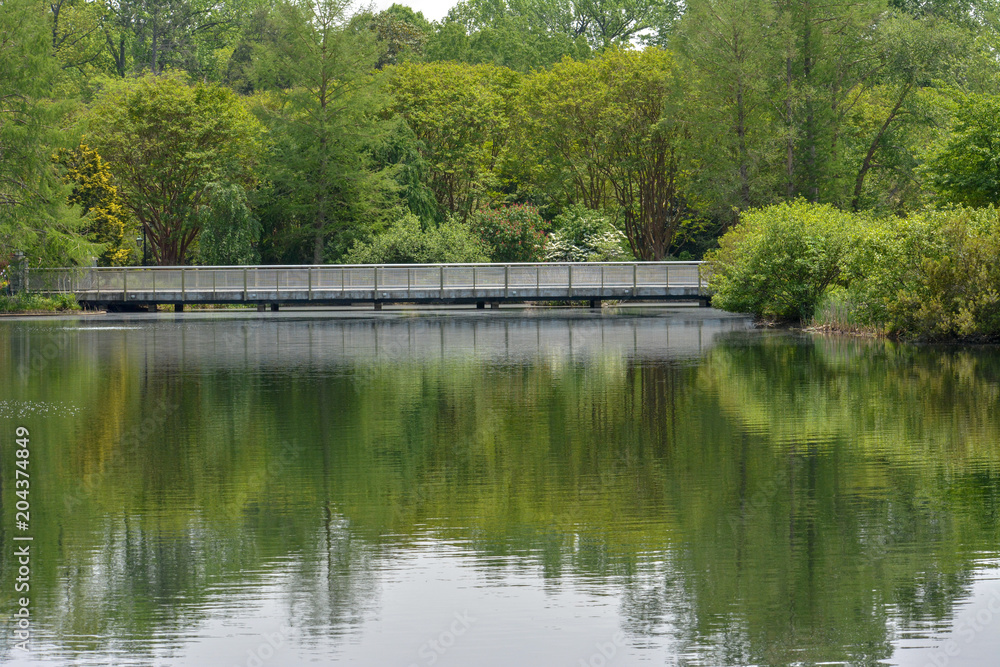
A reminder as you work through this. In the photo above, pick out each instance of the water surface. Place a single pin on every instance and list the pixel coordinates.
(661, 487)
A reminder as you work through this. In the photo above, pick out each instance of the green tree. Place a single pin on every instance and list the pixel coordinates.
(461, 115)
(230, 231)
(519, 35)
(615, 132)
(913, 53)
(731, 47)
(323, 120)
(401, 33)
(531, 34)
(965, 169)
(167, 142)
(33, 213)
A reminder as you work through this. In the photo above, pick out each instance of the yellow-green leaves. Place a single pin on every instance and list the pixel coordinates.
(166, 142)
(94, 190)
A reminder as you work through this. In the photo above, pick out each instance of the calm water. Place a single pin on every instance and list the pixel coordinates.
(497, 489)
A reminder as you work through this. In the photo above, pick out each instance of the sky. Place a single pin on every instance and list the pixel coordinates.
(434, 10)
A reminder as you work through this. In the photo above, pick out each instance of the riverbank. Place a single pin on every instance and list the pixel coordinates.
(24, 303)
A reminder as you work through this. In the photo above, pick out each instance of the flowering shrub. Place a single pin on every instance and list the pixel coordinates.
(512, 233)
(583, 235)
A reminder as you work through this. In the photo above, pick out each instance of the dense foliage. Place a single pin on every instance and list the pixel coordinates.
(935, 274)
(298, 132)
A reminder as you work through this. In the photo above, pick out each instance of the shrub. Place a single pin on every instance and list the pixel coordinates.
(584, 235)
(777, 261)
(935, 275)
(24, 302)
(407, 242)
(511, 233)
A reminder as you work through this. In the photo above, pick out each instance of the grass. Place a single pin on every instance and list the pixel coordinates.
(836, 312)
(24, 302)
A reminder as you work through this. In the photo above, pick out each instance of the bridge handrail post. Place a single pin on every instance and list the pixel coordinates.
(441, 279)
(183, 290)
(699, 280)
(570, 291)
(244, 283)
(635, 277)
(124, 284)
(409, 281)
(309, 281)
(506, 280)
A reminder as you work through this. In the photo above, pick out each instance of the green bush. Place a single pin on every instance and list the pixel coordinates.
(583, 235)
(408, 242)
(24, 302)
(935, 275)
(777, 261)
(511, 233)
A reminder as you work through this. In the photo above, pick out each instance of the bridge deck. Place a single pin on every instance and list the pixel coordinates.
(331, 284)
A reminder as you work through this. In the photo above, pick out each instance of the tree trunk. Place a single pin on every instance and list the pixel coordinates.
(866, 164)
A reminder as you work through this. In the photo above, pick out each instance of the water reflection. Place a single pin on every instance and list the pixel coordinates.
(338, 490)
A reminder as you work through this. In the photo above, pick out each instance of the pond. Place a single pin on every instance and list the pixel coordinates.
(536, 487)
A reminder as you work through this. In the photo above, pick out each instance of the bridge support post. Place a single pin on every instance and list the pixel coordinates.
(705, 302)
(480, 305)
(274, 307)
(178, 307)
(494, 305)
(378, 305)
(595, 303)
(261, 307)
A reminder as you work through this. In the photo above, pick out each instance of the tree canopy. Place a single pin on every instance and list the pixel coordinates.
(291, 131)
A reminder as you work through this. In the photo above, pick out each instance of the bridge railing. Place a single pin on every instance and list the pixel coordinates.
(393, 280)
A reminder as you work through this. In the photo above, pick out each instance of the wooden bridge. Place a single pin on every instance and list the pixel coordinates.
(145, 286)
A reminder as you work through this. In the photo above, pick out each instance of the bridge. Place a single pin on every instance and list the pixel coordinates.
(263, 286)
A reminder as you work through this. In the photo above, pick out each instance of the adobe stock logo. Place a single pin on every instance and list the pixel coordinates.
(432, 650)
(969, 626)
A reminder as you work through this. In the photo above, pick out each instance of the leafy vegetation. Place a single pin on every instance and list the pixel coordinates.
(24, 302)
(298, 132)
(510, 233)
(934, 275)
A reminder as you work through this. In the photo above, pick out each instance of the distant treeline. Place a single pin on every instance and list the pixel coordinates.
(187, 131)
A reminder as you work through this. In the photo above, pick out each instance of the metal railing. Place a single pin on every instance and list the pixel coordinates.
(401, 281)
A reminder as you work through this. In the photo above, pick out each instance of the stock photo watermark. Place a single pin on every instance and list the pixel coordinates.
(434, 649)
(605, 652)
(21, 541)
(268, 647)
(970, 625)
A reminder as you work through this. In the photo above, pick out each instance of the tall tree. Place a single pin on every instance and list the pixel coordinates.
(733, 50)
(323, 117)
(912, 53)
(617, 131)
(462, 116)
(33, 216)
(167, 143)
